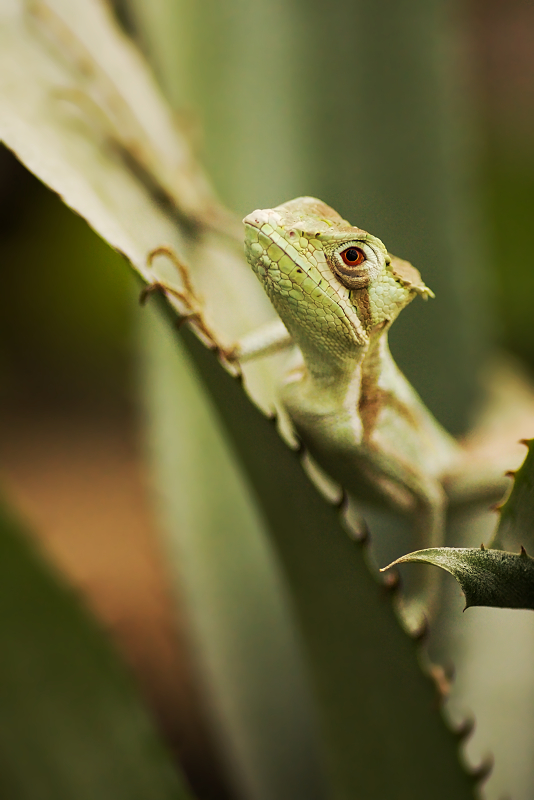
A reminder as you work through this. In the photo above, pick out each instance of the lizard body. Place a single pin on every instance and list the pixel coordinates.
(337, 291)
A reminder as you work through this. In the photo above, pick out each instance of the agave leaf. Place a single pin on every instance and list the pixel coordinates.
(383, 733)
(215, 541)
(493, 577)
(72, 726)
(516, 524)
(371, 715)
(50, 120)
(80, 109)
(85, 72)
(487, 577)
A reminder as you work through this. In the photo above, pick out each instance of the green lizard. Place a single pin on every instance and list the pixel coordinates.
(337, 291)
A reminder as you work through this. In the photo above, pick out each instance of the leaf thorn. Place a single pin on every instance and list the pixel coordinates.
(358, 532)
(148, 290)
(480, 773)
(422, 633)
(441, 680)
(464, 729)
(342, 503)
(392, 581)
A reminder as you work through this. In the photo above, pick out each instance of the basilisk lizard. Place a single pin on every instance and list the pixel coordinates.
(337, 291)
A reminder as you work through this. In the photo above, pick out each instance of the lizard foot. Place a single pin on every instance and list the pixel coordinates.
(189, 305)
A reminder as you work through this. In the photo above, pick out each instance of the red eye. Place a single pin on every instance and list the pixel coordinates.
(352, 256)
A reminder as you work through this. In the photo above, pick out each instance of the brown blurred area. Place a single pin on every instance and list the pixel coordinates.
(501, 39)
(71, 455)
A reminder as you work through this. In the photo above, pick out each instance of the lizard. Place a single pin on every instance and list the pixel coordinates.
(337, 291)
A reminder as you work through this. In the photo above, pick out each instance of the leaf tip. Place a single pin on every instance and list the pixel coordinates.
(393, 563)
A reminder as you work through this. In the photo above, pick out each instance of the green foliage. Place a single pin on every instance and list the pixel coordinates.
(218, 552)
(280, 598)
(493, 577)
(487, 577)
(71, 725)
(347, 623)
(516, 524)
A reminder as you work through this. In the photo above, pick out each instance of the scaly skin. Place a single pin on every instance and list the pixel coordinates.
(349, 402)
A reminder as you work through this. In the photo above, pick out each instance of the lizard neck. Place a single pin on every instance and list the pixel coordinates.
(363, 363)
(377, 359)
(363, 384)
(384, 389)
(328, 369)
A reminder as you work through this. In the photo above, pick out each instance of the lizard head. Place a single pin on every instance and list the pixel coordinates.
(331, 283)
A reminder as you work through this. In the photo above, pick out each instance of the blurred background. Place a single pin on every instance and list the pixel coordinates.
(415, 120)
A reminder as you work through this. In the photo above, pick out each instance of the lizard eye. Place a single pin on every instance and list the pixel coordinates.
(349, 266)
(352, 256)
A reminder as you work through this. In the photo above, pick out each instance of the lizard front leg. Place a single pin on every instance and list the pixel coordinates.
(423, 499)
(371, 467)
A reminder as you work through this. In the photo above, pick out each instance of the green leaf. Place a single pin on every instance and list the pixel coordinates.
(516, 524)
(493, 577)
(71, 726)
(79, 107)
(382, 731)
(383, 734)
(68, 68)
(81, 110)
(57, 125)
(250, 669)
(487, 577)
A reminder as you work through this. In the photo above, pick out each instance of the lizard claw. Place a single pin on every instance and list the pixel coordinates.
(189, 304)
